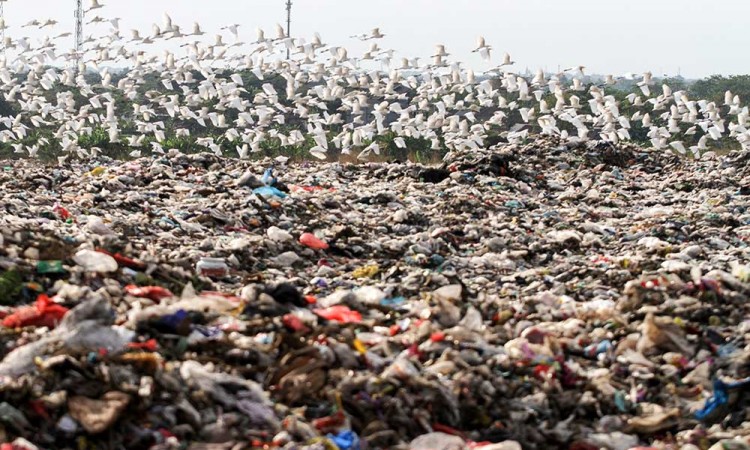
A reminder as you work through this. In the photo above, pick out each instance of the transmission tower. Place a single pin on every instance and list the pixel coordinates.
(288, 23)
(79, 28)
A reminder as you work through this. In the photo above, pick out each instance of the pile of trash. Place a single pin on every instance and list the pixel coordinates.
(529, 296)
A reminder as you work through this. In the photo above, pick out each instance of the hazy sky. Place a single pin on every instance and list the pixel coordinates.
(698, 37)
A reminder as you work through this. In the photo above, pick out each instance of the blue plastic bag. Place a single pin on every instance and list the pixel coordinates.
(269, 191)
(393, 302)
(720, 397)
(172, 322)
(268, 179)
(345, 440)
(596, 349)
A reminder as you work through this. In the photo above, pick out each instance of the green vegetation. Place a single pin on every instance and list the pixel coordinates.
(714, 87)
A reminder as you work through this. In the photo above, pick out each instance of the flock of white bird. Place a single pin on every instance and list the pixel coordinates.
(440, 102)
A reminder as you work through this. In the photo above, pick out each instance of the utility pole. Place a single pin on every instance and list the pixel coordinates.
(288, 22)
(2, 18)
(79, 30)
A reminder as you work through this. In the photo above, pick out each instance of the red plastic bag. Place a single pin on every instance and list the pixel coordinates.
(339, 313)
(294, 323)
(124, 260)
(18, 444)
(230, 297)
(543, 371)
(328, 423)
(63, 213)
(43, 313)
(309, 240)
(296, 188)
(155, 293)
(150, 345)
(437, 336)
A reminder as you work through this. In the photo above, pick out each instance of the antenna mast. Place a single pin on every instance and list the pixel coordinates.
(288, 22)
(79, 29)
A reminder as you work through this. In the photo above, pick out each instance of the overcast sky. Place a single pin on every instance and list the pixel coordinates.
(696, 37)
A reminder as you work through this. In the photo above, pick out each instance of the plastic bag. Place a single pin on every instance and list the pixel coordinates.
(91, 336)
(156, 293)
(655, 422)
(401, 368)
(276, 234)
(269, 191)
(84, 329)
(663, 334)
(93, 261)
(346, 440)
(98, 415)
(211, 382)
(43, 313)
(438, 441)
(339, 313)
(720, 397)
(310, 240)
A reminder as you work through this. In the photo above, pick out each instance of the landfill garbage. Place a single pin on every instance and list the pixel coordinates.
(539, 295)
(96, 416)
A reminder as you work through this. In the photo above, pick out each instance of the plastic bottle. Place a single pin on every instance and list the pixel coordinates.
(212, 267)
